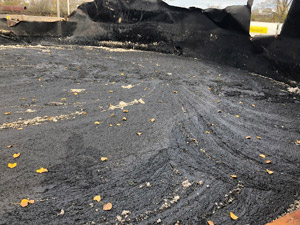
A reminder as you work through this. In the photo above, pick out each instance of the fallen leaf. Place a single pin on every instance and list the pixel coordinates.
(139, 133)
(233, 176)
(124, 118)
(9, 146)
(122, 74)
(241, 103)
(118, 124)
(233, 216)
(258, 137)
(237, 116)
(218, 101)
(253, 105)
(97, 198)
(107, 207)
(207, 132)
(103, 159)
(262, 156)
(298, 142)
(125, 111)
(7, 113)
(75, 93)
(112, 115)
(16, 155)
(110, 125)
(111, 91)
(248, 137)
(152, 120)
(24, 203)
(42, 170)
(20, 128)
(219, 111)
(269, 171)
(63, 99)
(268, 161)
(210, 222)
(175, 92)
(97, 123)
(84, 113)
(12, 165)
(211, 124)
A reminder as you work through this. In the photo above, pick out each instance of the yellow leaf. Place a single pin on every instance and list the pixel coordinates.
(233, 216)
(237, 116)
(152, 120)
(269, 171)
(248, 137)
(103, 159)
(24, 203)
(7, 113)
(12, 165)
(111, 91)
(75, 93)
(42, 170)
(110, 125)
(125, 111)
(258, 137)
(97, 123)
(298, 142)
(210, 222)
(97, 198)
(112, 115)
(122, 74)
(63, 99)
(253, 105)
(218, 101)
(233, 176)
(107, 207)
(139, 133)
(207, 132)
(118, 124)
(20, 128)
(262, 156)
(124, 118)
(16, 155)
(211, 124)
(268, 161)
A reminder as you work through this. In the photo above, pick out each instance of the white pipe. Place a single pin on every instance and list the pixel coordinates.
(68, 3)
(58, 8)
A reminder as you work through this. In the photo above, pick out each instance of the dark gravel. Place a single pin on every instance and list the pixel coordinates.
(189, 142)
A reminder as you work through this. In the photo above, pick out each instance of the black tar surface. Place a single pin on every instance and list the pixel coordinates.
(177, 170)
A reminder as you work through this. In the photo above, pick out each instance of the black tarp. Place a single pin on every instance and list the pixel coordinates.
(291, 28)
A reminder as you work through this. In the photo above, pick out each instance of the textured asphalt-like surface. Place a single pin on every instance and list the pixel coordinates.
(178, 171)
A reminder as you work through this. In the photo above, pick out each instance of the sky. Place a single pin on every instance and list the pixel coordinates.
(206, 3)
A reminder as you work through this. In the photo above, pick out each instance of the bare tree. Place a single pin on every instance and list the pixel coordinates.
(282, 8)
(271, 10)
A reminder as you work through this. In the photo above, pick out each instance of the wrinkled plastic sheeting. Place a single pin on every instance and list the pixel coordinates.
(235, 18)
(291, 27)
